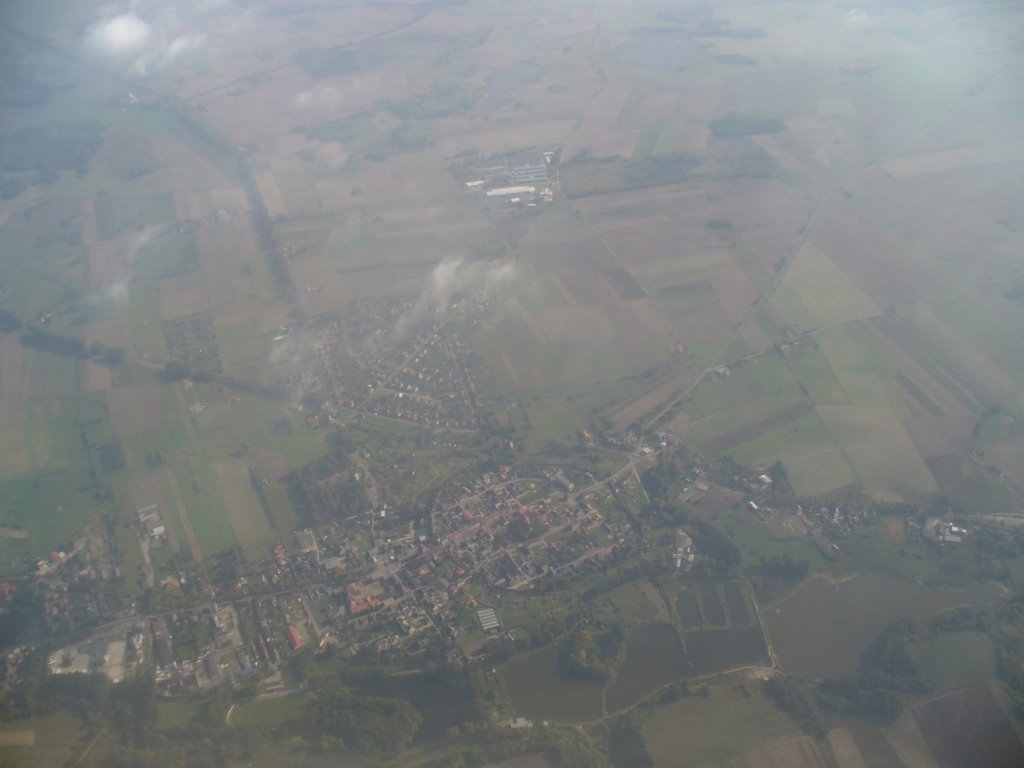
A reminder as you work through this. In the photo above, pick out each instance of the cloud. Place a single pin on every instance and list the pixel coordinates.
(143, 47)
(120, 36)
(117, 290)
(320, 97)
(182, 46)
(451, 279)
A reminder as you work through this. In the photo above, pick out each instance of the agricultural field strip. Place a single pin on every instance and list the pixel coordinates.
(806, 232)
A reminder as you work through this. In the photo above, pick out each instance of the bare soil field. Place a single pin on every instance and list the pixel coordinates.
(845, 753)
(17, 739)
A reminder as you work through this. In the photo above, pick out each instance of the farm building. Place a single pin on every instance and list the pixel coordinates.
(488, 619)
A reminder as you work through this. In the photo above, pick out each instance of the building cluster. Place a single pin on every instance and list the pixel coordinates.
(525, 178)
(391, 359)
(114, 655)
(943, 531)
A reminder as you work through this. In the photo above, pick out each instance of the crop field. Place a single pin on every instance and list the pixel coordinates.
(823, 628)
(705, 729)
(897, 473)
(969, 728)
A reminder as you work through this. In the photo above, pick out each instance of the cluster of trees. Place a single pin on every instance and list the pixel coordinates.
(590, 653)
(626, 747)
(64, 346)
(720, 557)
(795, 699)
(50, 147)
(53, 343)
(887, 671)
(776, 575)
(373, 724)
(325, 489)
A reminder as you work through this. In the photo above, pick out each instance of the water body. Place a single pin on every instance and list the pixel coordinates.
(654, 657)
(713, 610)
(501, 82)
(659, 52)
(689, 609)
(538, 690)
(823, 628)
(739, 616)
(712, 651)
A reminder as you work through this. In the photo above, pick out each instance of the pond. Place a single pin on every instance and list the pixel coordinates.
(654, 657)
(713, 610)
(716, 650)
(538, 691)
(739, 616)
(660, 53)
(822, 629)
(688, 609)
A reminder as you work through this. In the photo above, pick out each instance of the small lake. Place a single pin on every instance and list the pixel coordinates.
(538, 690)
(822, 629)
(654, 657)
(660, 53)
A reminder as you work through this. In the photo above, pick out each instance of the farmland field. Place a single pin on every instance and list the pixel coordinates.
(347, 291)
(705, 729)
(969, 728)
(822, 629)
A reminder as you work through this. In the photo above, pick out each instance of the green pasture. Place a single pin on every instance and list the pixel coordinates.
(863, 372)
(268, 712)
(954, 660)
(806, 430)
(59, 738)
(815, 374)
(813, 468)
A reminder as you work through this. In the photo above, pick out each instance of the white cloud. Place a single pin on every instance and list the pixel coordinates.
(454, 277)
(320, 97)
(143, 47)
(120, 36)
